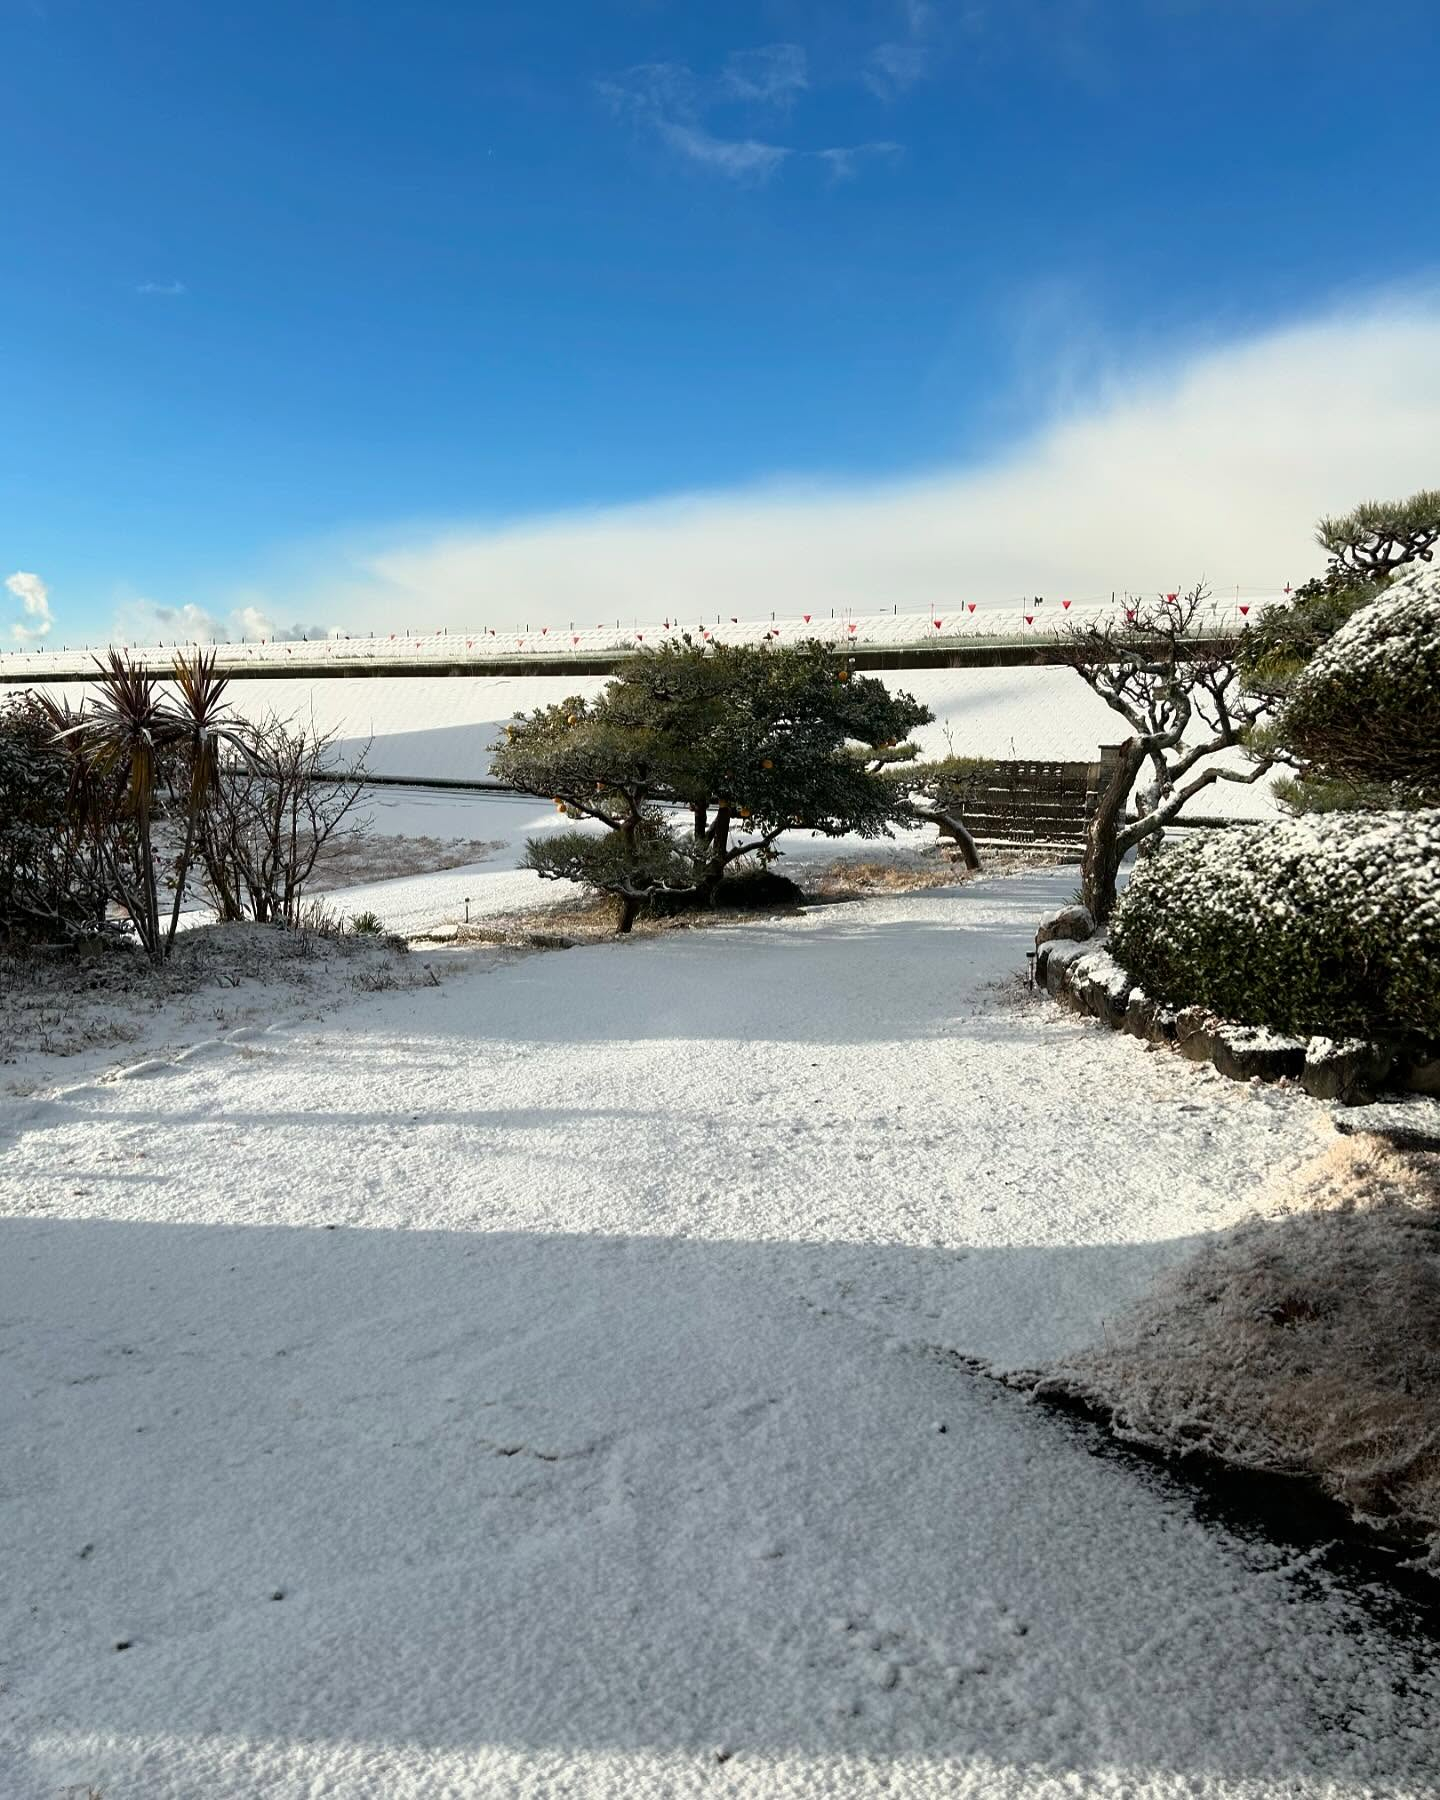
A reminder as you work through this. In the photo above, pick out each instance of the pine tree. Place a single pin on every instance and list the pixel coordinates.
(745, 742)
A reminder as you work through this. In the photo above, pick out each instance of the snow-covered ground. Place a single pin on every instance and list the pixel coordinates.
(436, 727)
(548, 1383)
(418, 903)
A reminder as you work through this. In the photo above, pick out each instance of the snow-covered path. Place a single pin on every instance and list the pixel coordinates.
(534, 1386)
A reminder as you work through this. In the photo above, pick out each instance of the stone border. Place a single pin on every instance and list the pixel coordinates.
(1082, 974)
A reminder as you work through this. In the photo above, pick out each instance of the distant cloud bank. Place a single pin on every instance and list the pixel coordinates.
(1215, 466)
(148, 622)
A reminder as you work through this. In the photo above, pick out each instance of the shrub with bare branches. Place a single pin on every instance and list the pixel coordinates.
(1183, 700)
(272, 808)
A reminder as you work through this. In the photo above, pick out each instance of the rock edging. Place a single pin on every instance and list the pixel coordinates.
(1074, 967)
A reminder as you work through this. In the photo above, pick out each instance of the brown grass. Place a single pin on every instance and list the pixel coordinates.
(1306, 1342)
(370, 856)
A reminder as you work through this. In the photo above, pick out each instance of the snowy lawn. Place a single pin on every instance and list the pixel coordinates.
(548, 1383)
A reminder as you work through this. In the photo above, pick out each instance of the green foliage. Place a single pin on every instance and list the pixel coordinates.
(1274, 651)
(1379, 536)
(1366, 710)
(1315, 794)
(1326, 924)
(367, 924)
(948, 782)
(748, 741)
(50, 885)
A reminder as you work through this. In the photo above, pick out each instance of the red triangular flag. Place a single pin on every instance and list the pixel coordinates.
(1029, 618)
(806, 617)
(576, 638)
(972, 606)
(937, 623)
(1244, 609)
(1066, 605)
(1130, 615)
(849, 627)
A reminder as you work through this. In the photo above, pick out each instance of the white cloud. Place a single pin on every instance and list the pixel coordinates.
(147, 621)
(1215, 465)
(844, 160)
(34, 598)
(664, 98)
(892, 68)
(770, 75)
(166, 290)
(743, 159)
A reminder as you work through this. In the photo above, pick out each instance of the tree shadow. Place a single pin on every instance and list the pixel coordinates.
(523, 1503)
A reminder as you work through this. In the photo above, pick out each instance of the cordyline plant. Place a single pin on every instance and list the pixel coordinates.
(133, 745)
(746, 741)
(1182, 698)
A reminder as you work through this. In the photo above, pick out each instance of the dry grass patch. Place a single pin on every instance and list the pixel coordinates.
(912, 871)
(353, 861)
(1303, 1343)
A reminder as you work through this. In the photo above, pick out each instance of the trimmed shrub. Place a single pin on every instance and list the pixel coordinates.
(1328, 923)
(753, 890)
(50, 886)
(1367, 708)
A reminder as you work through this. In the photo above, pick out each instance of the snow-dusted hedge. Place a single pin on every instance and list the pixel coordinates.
(1368, 705)
(1326, 923)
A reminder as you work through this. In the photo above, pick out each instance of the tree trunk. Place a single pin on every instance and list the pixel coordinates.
(1100, 868)
(951, 826)
(182, 871)
(715, 862)
(629, 906)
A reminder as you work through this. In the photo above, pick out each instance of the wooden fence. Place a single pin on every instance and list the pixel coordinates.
(1041, 803)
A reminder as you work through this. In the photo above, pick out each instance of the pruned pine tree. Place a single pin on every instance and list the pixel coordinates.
(1362, 719)
(940, 793)
(1184, 703)
(1377, 537)
(743, 741)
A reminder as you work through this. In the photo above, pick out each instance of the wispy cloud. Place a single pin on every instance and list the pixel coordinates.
(34, 598)
(844, 160)
(163, 290)
(743, 159)
(665, 99)
(892, 68)
(1214, 464)
(771, 75)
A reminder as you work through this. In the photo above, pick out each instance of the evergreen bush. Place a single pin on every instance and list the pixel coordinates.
(1328, 923)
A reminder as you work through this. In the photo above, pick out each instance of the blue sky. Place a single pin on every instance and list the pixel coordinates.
(287, 278)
